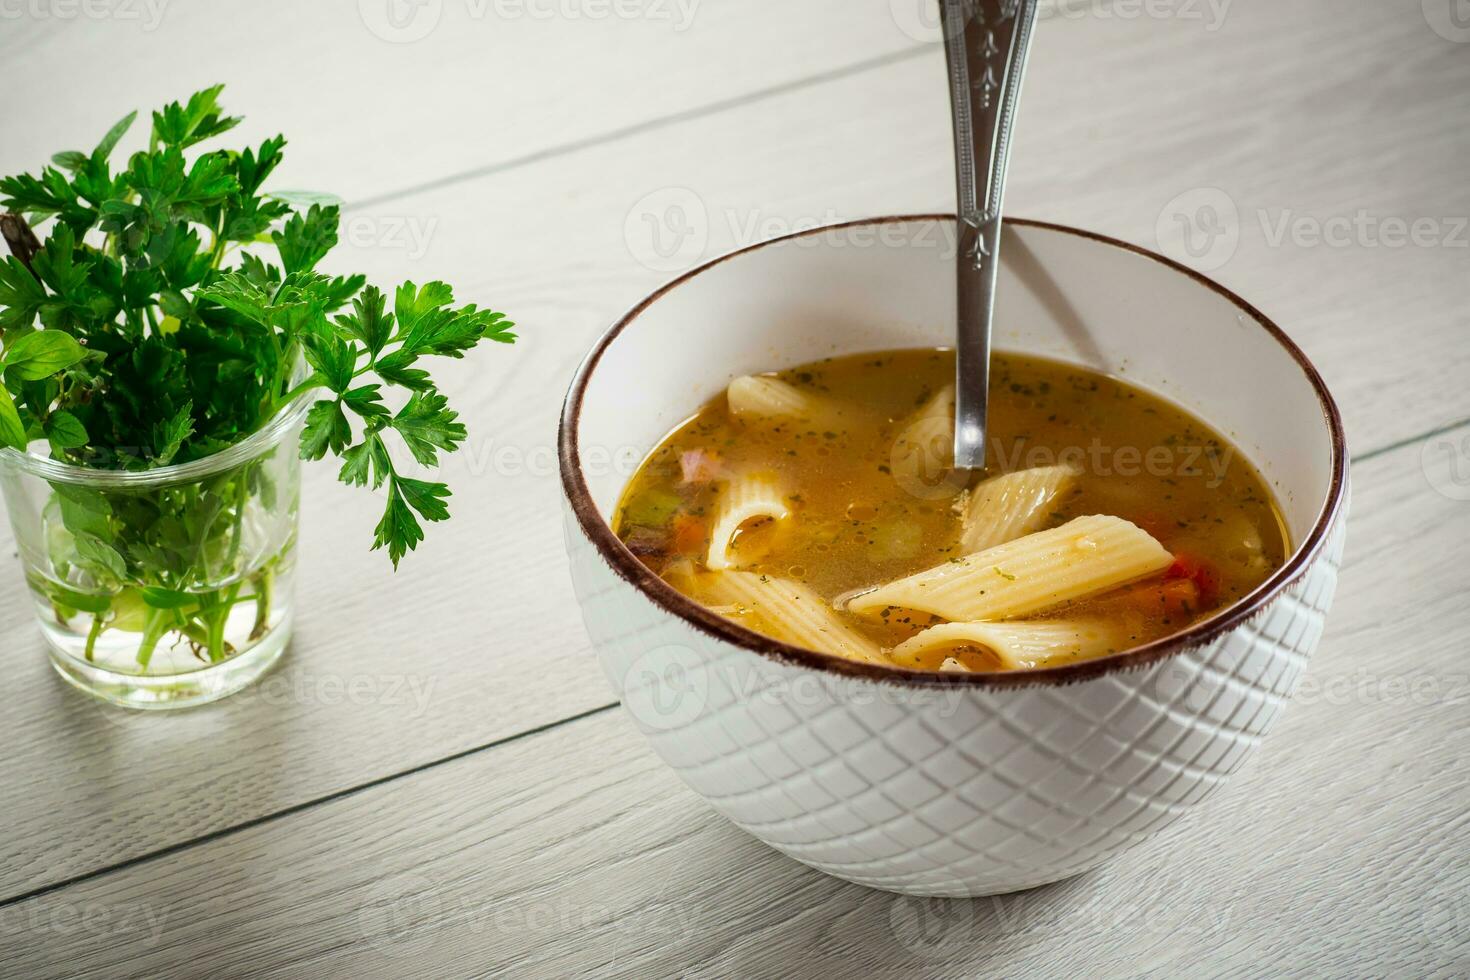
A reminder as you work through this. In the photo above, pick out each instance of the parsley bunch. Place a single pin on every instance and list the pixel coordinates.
(180, 309)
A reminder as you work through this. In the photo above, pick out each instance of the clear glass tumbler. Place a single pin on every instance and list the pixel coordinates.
(166, 587)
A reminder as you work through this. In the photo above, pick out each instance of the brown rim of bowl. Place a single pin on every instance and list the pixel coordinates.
(666, 597)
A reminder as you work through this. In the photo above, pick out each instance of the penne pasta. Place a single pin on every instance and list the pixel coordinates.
(921, 459)
(745, 498)
(940, 406)
(1083, 558)
(787, 611)
(926, 440)
(754, 398)
(1006, 507)
(1245, 545)
(1016, 646)
(927, 436)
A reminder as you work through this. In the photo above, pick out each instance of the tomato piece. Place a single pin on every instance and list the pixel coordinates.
(1200, 571)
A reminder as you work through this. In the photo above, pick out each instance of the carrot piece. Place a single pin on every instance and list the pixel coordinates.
(1171, 598)
(1179, 597)
(691, 536)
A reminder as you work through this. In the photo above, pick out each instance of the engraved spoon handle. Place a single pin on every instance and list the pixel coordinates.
(985, 43)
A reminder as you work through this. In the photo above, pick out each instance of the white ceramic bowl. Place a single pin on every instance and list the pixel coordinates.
(950, 784)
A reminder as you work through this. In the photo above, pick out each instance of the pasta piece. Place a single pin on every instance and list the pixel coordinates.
(745, 498)
(922, 458)
(681, 574)
(928, 434)
(1017, 646)
(1246, 546)
(788, 611)
(755, 397)
(939, 406)
(1082, 558)
(1006, 507)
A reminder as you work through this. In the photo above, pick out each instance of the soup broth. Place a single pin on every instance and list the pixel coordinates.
(818, 505)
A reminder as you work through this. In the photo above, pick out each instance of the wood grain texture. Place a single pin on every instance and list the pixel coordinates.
(372, 108)
(482, 641)
(1337, 852)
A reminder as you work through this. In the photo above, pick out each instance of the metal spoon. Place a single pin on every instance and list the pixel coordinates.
(986, 43)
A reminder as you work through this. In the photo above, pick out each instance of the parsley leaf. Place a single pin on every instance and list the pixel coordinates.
(326, 428)
(427, 425)
(181, 309)
(182, 126)
(105, 147)
(399, 531)
(366, 463)
(306, 239)
(21, 295)
(366, 401)
(332, 358)
(369, 322)
(425, 497)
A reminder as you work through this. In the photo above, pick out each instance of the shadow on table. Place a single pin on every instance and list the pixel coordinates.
(748, 911)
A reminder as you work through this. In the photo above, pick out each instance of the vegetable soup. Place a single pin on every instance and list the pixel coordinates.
(819, 506)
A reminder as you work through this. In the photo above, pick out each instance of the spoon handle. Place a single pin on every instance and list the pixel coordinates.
(986, 43)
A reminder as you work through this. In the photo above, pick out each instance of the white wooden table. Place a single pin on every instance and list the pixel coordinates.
(436, 781)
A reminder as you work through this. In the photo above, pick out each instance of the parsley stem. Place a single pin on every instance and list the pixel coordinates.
(216, 619)
(262, 582)
(155, 624)
(92, 635)
(242, 487)
(217, 249)
(295, 393)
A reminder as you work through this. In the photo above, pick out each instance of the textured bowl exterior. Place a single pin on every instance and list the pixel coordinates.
(951, 783)
(949, 790)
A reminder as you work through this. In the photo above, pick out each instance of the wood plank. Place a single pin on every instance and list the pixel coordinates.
(1338, 851)
(484, 628)
(463, 84)
(1121, 158)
